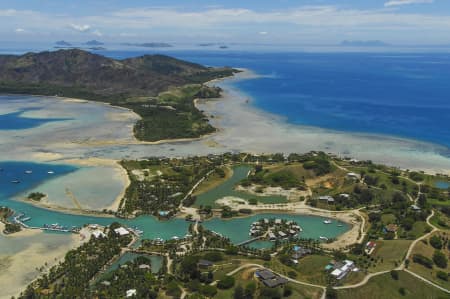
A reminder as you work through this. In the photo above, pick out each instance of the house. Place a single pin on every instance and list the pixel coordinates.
(415, 208)
(163, 213)
(353, 175)
(131, 293)
(121, 231)
(370, 247)
(272, 236)
(98, 233)
(275, 282)
(144, 266)
(204, 264)
(300, 252)
(277, 221)
(105, 283)
(391, 228)
(341, 269)
(326, 198)
(265, 274)
(344, 195)
(282, 234)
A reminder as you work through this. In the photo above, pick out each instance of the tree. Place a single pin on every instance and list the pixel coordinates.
(442, 275)
(226, 283)
(440, 259)
(394, 274)
(436, 242)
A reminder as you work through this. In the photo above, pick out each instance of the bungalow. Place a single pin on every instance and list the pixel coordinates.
(144, 266)
(121, 231)
(275, 282)
(391, 228)
(163, 213)
(131, 293)
(265, 274)
(370, 247)
(353, 175)
(277, 221)
(327, 198)
(344, 195)
(341, 269)
(204, 264)
(282, 234)
(272, 236)
(300, 252)
(415, 208)
(98, 233)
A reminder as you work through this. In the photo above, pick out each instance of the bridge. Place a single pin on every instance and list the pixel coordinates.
(249, 241)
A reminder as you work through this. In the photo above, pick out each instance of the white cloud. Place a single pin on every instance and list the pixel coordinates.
(80, 28)
(263, 32)
(406, 2)
(97, 33)
(20, 30)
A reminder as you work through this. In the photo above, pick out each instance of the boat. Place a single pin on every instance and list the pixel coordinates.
(28, 171)
(323, 238)
(15, 181)
(328, 221)
(50, 172)
(340, 225)
(26, 219)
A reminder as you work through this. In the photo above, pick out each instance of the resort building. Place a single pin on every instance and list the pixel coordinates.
(98, 233)
(269, 279)
(341, 269)
(131, 293)
(326, 198)
(370, 247)
(121, 231)
(299, 252)
(204, 264)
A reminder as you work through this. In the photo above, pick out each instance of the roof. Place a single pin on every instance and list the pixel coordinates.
(391, 227)
(265, 274)
(121, 231)
(415, 207)
(205, 263)
(336, 272)
(274, 282)
(131, 292)
(98, 233)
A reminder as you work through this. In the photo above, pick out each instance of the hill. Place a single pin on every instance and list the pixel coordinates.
(134, 83)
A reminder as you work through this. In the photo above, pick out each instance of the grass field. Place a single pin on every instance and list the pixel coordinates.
(389, 254)
(430, 274)
(385, 287)
(213, 181)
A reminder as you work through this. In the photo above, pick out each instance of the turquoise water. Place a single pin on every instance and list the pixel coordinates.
(16, 121)
(313, 227)
(235, 229)
(442, 185)
(227, 189)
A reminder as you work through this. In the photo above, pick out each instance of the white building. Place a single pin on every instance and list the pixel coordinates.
(121, 231)
(131, 293)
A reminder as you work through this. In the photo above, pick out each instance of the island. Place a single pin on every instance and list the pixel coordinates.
(94, 43)
(160, 89)
(148, 45)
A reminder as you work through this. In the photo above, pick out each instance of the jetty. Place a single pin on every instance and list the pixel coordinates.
(53, 227)
(250, 241)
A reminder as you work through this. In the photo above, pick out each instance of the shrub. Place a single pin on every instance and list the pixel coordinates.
(209, 291)
(442, 275)
(423, 260)
(213, 256)
(402, 291)
(440, 259)
(436, 242)
(292, 274)
(394, 274)
(226, 283)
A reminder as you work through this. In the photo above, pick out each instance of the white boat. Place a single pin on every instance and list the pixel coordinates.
(323, 238)
(15, 181)
(340, 225)
(328, 221)
(50, 172)
(28, 171)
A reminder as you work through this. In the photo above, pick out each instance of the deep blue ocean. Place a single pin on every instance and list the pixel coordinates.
(16, 121)
(404, 95)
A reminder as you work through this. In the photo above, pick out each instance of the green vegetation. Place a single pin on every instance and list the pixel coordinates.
(384, 286)
(138, 83)
(10, 228)
(71, 278)
(36, 196)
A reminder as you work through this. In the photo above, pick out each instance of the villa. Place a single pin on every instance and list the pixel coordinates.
(121, 231)
(131, 293)
(269, 279)
(327, 198)
(341, 269)
(299, 252)
(98, 233)
(370, 247)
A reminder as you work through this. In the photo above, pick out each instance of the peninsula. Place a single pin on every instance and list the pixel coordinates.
(160, 89)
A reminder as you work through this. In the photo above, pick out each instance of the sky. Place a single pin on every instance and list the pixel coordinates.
(296, 22)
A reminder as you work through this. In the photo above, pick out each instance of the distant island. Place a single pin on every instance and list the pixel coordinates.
(364, 43)
(63, 43)
(148, 45)
(94, 43)
(159, 88)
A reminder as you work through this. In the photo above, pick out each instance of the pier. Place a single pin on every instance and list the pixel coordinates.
(249, 241)
(56, 228)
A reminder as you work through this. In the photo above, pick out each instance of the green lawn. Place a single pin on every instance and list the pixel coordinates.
(389, 253)
(384, 287)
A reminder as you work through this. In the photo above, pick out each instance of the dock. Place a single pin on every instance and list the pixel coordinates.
(249, 241)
